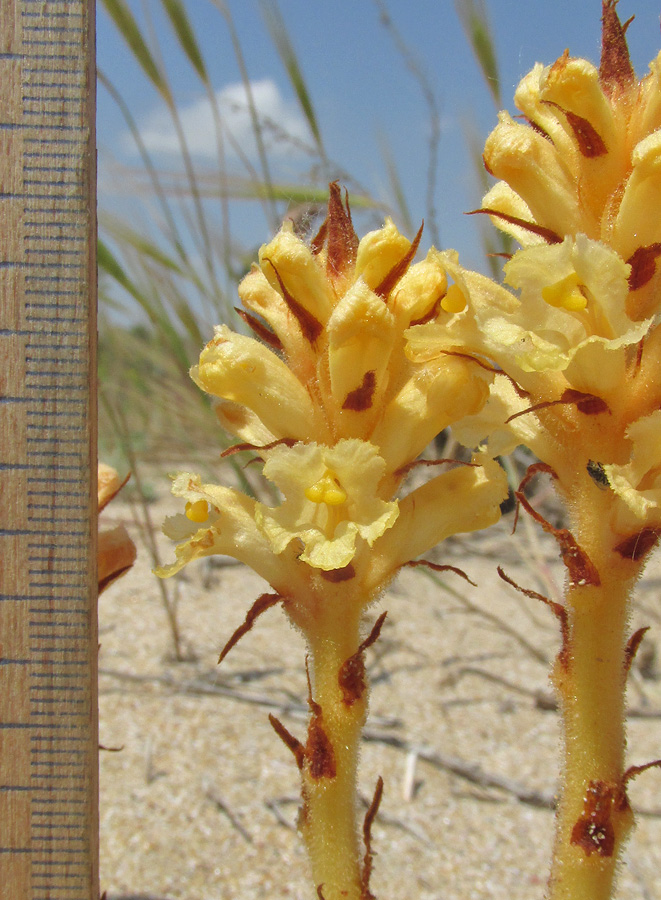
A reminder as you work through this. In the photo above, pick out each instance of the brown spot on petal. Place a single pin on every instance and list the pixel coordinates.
(588, 404)
(263, 333)
(337, 575)
(342, 241)
(594, 831)
(351, 676)
(393, 276)
(289, 740)
(637, 546)
(632, 647)
(370, 816)
(616, 74)
(643, 265)
(360, 399)
(549, 236)
(590, 143)
(310, 326)
(261, 604)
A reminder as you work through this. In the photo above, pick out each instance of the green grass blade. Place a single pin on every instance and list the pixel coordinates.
(180, 22)
(280, 37)
(130, 31)
(475, 22)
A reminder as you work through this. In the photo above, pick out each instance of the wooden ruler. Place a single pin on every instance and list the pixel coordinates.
(48, 635)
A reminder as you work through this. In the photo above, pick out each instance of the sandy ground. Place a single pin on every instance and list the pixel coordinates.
(199, 796)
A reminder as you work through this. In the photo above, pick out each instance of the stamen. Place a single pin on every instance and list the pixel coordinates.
(455, 299)
(565, 294)
(198, 511)
(327, 490)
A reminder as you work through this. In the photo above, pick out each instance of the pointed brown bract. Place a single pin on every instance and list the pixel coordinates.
(351, 677)
(551, 237)
(289, 740)
(589, 142)
(558, 609)
(370, 815)
(342, 241)
(261, 604)
(616, 74)
(632, 647)
(393, 276)
(310, 327)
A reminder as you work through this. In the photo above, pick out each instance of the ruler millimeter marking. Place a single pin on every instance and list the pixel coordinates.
(48, 634)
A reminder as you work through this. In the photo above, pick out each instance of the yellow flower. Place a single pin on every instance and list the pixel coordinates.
(585, 159)
(327, 395)
(331, 501)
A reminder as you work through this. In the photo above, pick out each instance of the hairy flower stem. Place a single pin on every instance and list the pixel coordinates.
(594, 817)
(338, 702)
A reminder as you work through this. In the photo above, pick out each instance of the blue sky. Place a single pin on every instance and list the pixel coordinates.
(361, 89)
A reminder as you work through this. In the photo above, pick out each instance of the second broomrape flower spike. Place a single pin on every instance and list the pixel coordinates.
(338, 414)
(577, 352)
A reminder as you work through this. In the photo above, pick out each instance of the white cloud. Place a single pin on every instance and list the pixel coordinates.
(283, 126)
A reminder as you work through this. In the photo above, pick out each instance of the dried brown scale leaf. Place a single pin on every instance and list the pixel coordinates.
(437, 567)
(388, 283)
(588, 404)
(289, 740)
(590, 143)
(637, 546)
(643, 265)
(342, 241)
(261, 330)
(310, 327)
(368, 821)
(633, 771)
(240, 448)
(404, 470)
(489, 367)
(361, 398)
(594, 831)
(318, 241)
(616, 74)
(261, 604)
(319, 752)
(351, 675)
(550, 236)
(557, 608)
(320, 894)
(582, 571)
(632, 647)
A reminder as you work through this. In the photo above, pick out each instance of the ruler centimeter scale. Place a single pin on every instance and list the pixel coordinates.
(48, 635)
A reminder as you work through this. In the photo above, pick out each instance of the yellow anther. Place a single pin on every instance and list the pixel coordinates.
(327, 490)
(198, 511)
(454, 301)
(565, 294)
